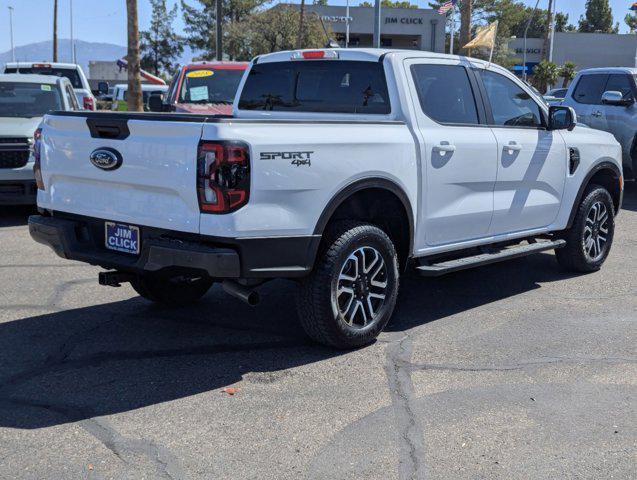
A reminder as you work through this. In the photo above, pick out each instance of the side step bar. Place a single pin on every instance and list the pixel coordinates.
(449, 266)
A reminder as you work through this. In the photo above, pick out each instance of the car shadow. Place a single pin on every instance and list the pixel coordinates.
(14, 216)
(75, 364)
(630, 196)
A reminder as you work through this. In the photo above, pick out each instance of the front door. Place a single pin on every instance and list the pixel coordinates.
(458, 153)
(531, 159)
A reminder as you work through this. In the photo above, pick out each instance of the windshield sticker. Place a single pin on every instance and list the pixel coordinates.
(198, 93)
(45, 88)
(200, 73)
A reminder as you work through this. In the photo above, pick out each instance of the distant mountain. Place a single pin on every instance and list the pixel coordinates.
(85, 51)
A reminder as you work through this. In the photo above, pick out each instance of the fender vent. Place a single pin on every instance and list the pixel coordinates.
(573, 160)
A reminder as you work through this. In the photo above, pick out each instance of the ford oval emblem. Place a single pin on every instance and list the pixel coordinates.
(106, 158)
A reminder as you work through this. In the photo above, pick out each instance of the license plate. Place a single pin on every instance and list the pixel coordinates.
(122, 237)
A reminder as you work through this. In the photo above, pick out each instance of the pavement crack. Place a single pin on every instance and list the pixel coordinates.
(410, 432)
(517, 366)
(128, 450)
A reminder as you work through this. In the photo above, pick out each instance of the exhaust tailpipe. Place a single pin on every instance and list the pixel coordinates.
(247, 294)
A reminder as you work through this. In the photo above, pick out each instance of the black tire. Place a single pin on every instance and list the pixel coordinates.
(575, 256)
(346, 246)
(171, 291)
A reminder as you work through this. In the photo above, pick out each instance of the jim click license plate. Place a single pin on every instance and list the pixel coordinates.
(122, 237)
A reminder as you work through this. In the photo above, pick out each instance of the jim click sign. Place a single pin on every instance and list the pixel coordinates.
(404, 20)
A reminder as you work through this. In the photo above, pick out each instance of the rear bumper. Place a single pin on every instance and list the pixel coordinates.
(82, 239)
(18, 192)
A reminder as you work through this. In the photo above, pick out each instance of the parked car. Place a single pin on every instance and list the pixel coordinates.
(202, 87)
(24, 99)
(604, 98)
(340, 168)
(71, 71)
(120, 95)
(555, 96)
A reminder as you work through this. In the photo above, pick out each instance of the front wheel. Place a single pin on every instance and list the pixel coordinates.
(351, 294)
(589, 239)
(171, 291)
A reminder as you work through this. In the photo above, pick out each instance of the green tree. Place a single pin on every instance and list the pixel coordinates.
(388, 4)
(273, 30)
(597, 18)
(567, 71)
(200, 22)
(545, 73)
(320, 2)
(631, 21)
(159, 45)
(561, 23)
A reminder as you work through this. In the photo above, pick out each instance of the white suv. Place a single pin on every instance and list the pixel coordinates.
(71, 71)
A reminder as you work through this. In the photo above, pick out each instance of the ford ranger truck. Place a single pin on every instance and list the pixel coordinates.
(340, 168)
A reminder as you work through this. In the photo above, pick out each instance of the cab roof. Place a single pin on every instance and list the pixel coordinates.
(31, 78)
(628, 70)
(51, 64)
(366, 54)
(219, 65)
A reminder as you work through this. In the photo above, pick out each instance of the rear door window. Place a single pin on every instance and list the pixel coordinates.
(589, 89)
(445, 93)
(334, 86)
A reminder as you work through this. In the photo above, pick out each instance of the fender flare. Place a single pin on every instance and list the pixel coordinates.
(580, 193)
(363, 184)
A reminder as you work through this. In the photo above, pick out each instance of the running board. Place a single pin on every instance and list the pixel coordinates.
(449, 266)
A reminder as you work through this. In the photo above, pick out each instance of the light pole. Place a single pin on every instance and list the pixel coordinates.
(11, 33)
(347, 24)
(526, 31)
(72, 42)
(376, 24)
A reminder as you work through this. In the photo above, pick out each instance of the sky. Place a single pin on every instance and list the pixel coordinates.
(105, 20)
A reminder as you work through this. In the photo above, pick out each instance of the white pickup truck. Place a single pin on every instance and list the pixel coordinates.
(339, 168)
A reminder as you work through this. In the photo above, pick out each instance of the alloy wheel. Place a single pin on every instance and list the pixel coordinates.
(361, 288)
(596, 231)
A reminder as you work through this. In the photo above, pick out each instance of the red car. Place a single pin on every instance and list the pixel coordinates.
(202, 87)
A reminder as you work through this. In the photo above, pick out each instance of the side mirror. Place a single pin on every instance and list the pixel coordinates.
(561, 118)
(611, 97)
(156, 103)
(102, 88)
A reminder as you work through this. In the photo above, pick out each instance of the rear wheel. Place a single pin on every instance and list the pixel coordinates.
(173, 291)
(350, 296)
(589, 239)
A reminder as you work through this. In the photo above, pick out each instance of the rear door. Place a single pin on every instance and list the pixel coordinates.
(532, 160)
(458, 153)
(153, 185)
(587, 97)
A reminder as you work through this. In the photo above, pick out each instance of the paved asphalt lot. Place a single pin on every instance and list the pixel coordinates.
(511, 371)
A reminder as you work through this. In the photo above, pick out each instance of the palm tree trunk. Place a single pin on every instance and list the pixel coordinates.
(134, 96)
(55, 30)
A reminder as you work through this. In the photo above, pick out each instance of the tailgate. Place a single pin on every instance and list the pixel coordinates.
(154, 185)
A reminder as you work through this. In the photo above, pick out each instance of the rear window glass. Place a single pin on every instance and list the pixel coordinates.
(332, 86)
(69, 73)
(589, 89)
(210, 86)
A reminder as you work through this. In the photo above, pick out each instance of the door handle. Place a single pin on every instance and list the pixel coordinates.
(513, 147)
(598, 113)
(445, 147)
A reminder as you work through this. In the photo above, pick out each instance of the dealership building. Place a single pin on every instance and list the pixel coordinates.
(586, 50)
(405, 28)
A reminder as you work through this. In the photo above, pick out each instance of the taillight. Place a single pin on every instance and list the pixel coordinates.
(314, 55)
(89, 103)
(223, 176)
(37, 138)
